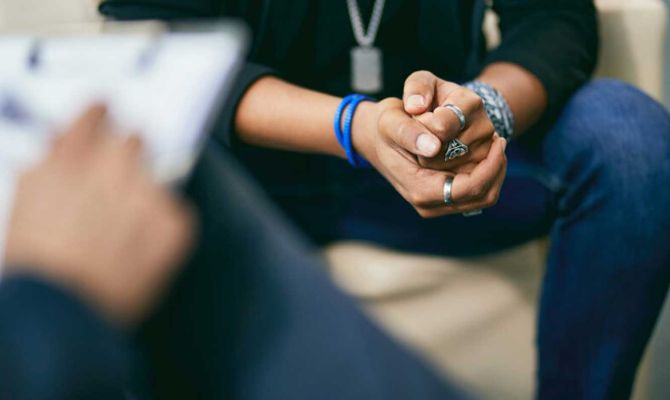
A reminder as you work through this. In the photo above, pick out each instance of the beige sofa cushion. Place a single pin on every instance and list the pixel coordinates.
(472, 319)
(43, 15)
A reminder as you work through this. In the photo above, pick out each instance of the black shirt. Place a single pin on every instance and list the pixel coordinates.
(307, 42)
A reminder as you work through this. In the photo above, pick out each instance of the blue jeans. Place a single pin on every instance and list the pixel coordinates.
(599, 185)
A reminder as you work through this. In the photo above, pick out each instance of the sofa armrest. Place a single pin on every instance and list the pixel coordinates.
(633, 36)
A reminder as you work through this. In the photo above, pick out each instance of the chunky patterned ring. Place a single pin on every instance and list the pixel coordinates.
(459, 114)
(455, 149)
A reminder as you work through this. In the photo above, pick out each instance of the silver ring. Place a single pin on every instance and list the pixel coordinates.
(446, 191)
(456, 149)
(474, 213)
(459, 114)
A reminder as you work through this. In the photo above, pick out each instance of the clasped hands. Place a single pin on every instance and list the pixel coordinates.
(406, 141)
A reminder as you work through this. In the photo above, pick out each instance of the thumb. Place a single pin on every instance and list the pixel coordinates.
(419, 92)
(410, 135)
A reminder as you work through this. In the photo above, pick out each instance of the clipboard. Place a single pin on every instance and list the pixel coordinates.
(167, 87)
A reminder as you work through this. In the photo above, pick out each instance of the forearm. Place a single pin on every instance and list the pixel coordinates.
(277, 114)
(523, 91)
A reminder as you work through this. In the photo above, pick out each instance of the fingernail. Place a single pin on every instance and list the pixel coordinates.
(504, 143)
(416, 101)
(427, 144)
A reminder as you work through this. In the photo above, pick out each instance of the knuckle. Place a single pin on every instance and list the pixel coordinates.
(458, 95)
(404, 128)
(476, 190)
(504, 160)
(487, 126)
(418, 75)
(399, 135)
(415, 199)
(475, 101)
(468, 98)
(384, 123)
(424, 213)
(441, 126)
(388, 102)
(424, 162)
(420, 198)
(492, 198)
(483, 131)
(406, 135)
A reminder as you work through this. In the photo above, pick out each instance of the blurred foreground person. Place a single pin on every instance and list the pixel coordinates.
(90, 236)
(93, 243)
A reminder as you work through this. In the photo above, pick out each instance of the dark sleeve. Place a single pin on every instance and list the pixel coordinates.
(556, 40)
(53, 347)
(171, 10)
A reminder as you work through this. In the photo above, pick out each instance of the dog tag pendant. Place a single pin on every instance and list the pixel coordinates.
(366, 69)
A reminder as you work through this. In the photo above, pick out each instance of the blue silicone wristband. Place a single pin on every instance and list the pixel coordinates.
(343, 129)
(354, 158)
(339, 133)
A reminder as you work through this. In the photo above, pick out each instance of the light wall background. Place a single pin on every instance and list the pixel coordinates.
(659, 385)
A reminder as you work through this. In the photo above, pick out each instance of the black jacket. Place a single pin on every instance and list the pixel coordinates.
(54, 347)
(307, 41)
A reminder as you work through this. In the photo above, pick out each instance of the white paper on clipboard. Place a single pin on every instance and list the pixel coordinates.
(168, 88)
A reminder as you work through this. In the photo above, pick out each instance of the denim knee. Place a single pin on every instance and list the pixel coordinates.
(615, 132)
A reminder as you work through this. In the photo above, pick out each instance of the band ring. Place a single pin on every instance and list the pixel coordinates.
(446, 191)
(456, 149)
(459, 114)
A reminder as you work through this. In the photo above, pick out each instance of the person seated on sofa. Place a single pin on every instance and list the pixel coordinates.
(588, 161)
(93, 243)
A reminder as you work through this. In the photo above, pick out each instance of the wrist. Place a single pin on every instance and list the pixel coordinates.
(364, 127)
(348, 111)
